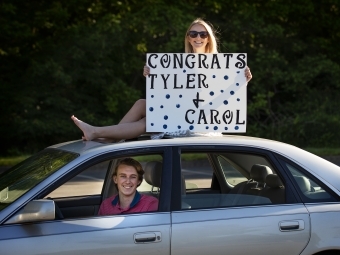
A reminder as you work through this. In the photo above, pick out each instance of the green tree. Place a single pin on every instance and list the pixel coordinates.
(82, 57)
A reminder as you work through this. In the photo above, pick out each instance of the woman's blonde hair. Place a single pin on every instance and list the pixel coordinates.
(211, 46)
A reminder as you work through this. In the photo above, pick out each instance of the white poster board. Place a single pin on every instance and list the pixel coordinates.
(196, 92)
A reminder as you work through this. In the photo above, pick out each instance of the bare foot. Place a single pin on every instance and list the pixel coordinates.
(87, 129)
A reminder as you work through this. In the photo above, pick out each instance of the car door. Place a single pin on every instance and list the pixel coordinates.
(129, 234)
(138, 233)
(322, 204)
(209, 219)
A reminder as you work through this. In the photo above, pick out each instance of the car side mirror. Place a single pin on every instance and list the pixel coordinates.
(36, 210)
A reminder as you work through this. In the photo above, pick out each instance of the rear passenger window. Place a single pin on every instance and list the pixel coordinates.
(213, 180)
(196, 172)
(309, 188)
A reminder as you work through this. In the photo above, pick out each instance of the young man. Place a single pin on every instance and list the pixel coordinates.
(128, 175)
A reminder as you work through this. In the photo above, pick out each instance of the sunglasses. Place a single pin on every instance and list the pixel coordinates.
(193, 34)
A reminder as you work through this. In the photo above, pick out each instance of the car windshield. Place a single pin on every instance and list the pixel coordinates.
(21, 178)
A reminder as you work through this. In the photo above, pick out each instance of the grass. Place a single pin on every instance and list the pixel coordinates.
(11, 161)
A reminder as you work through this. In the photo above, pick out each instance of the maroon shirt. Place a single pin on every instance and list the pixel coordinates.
(140, 203)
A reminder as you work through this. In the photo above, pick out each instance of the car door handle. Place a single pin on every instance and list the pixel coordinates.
(293, 225)
(147, 237)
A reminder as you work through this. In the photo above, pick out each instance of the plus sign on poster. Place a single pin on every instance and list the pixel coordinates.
(196, 92)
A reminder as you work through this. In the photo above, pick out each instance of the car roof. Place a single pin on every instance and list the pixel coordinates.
(85, 147)
(323, 169)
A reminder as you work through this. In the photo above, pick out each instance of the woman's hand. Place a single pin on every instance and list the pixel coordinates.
(247, 73)
(146, 70)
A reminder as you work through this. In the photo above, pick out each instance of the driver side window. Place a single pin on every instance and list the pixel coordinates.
(88, 182)
(83, 195)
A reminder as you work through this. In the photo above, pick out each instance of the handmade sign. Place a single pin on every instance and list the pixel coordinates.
(197, 92)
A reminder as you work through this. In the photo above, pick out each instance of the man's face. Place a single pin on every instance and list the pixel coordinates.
(126, 180)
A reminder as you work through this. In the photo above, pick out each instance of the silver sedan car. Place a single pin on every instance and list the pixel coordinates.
(217, 195)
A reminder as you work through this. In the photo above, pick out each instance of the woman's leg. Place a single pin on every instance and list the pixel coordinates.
(117, 132)
(132, 125)
(137, 112)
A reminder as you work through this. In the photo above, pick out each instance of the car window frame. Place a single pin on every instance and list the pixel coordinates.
(164, 201)
(283, 160)
(291, 195)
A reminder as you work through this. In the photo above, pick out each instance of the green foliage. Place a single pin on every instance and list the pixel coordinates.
(11, 161)
(59, 58)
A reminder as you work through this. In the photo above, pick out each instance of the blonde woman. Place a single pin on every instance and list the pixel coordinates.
(199, 38)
